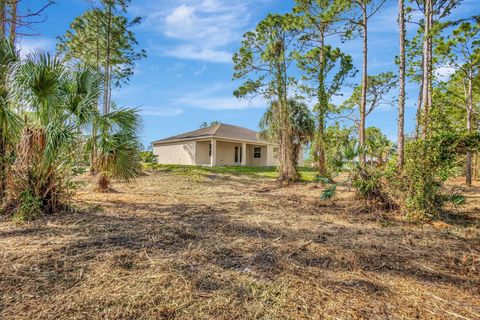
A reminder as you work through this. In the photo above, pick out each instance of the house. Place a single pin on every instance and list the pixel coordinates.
(221, 144)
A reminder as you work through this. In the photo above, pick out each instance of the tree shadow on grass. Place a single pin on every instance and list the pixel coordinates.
(207, 244)
(460, 219)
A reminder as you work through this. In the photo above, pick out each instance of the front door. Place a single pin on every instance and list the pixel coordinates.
(238, 155)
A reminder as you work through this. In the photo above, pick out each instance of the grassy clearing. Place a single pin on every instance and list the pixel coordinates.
(235, 246)
(307, 174)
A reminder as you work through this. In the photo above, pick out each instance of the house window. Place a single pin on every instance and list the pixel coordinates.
(209, 149)
(257, 152)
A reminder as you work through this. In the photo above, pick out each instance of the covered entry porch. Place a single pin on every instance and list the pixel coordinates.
(232, 153)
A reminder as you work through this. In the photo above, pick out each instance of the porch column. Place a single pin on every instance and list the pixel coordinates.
(213, 158)
(244, 154)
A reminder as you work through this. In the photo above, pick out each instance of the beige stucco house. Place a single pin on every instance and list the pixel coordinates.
(221, 144)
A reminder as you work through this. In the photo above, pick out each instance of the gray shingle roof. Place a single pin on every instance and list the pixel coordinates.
(217, 131)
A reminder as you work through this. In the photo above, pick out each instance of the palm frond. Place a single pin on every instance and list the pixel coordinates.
(84, 94)
(38, 84)
(329, 193)
(118, 144)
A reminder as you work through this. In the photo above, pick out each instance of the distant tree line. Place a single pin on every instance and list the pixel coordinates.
(289, 57)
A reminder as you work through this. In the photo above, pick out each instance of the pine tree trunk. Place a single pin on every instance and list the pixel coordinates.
(418, 124)
(287, 168)
(468, 164)
(401, 96)
(430, 67)
(468, 169)
(427, 67)
(322, 165)
(107, 76)
(13, 21)
(287, 163)
(106, 87)
(106, 107)
(3, 18)
(93, 154)
(322, 105)
(475, 166)
(363, 102)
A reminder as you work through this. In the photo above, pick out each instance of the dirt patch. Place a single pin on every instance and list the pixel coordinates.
(235, 247)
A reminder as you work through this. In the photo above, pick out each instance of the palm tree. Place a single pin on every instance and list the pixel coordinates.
(9, 121)
(378, 148)
(54, 104)
(303, 125)
(302, 122)
(54, 101)
(83, 104)
(84, 93)
(118, 146)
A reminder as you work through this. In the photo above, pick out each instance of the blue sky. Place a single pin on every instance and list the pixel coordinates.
(187, 77)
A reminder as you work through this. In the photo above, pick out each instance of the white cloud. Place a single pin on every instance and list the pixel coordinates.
(216, 97)
(201, 54)
(179, 17)
(160, 111)
(214, 22)
(200, 29)
(31, 44)
(444, 73)
(220, 103)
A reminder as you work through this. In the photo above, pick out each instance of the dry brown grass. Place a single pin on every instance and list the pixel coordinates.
(233, 247)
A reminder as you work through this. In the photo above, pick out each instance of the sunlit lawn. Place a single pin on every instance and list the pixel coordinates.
(306, 173)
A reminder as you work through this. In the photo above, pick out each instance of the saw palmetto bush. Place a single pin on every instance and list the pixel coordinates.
(10, 123)
(54, 102)
(366, 180)
(117, 146)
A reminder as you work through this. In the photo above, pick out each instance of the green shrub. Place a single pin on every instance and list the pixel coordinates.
(369, 183)
(147, 156)
(29, 208)
(418, 190)
(78, 170)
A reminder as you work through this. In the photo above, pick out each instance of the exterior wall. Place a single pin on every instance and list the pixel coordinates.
(196, 152)
(175, 152)
(262, 161)
(226, 153)
(272, 160)
(201, 154)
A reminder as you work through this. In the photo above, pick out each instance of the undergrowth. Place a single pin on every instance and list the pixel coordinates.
(417, 190)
